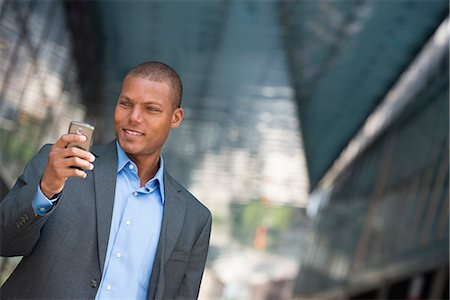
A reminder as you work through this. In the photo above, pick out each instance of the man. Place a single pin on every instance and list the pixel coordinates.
(112, 223)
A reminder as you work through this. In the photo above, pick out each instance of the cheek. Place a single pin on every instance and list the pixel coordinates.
(118, 115)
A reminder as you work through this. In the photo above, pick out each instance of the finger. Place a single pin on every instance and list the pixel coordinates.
(73, 172)
(78, 163)
(65, 139)
(78, 152)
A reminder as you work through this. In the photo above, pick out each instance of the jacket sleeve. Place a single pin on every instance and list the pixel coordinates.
(20, 226)
(193, 275)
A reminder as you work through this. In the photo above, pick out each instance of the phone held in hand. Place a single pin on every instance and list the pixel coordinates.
(84, 129)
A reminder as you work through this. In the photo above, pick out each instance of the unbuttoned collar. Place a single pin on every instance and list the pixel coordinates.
(123, 160)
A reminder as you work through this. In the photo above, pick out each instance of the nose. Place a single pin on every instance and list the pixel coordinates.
(136, 116)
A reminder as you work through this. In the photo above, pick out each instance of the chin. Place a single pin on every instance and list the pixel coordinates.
(127, 146)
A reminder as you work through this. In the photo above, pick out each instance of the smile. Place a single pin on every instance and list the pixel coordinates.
(132, 132)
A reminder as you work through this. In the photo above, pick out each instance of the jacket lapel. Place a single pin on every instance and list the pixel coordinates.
(174, 212)
(105, 173)
(172, 223)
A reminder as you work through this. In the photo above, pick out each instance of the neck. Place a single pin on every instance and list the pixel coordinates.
(147, 166)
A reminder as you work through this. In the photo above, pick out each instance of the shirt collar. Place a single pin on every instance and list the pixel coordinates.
(123, 160)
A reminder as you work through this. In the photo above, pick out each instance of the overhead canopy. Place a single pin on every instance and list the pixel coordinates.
(344, 57)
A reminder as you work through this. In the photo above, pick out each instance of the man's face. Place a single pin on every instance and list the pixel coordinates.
(144, 116)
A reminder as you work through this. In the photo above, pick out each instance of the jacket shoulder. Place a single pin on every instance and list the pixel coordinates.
(193, 203)
(39, 160)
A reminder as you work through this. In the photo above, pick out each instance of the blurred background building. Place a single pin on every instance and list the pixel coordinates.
(316, 131)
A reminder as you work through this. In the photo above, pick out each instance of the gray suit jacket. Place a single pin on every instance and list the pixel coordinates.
(64, 251)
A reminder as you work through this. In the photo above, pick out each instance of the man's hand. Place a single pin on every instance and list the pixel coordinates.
(63, 163)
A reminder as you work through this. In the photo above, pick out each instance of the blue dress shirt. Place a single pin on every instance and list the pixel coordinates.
(135, 229)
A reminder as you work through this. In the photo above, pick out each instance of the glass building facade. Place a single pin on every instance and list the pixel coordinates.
(39, 92)
(387, 216)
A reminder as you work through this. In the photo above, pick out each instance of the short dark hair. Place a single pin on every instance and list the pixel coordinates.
(160, 72)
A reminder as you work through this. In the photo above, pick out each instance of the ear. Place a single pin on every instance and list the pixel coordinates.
(177, 117)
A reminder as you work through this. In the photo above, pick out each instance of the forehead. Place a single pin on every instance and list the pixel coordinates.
(142, 89)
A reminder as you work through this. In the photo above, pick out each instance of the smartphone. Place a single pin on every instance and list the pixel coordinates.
(84, 129)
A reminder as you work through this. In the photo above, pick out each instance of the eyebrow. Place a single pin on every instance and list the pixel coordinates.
(152, 102)
(125, 97)
(145, 103)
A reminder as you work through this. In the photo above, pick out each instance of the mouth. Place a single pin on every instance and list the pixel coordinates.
(132, 133)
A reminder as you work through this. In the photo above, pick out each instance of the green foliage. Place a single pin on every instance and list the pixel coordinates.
(247, 217)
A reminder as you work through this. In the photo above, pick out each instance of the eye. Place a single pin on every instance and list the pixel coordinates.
(125, 103)
(153, 109)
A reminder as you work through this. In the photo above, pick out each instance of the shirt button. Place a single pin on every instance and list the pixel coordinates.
(94, 283)
(128, 222)
(118, 254)
(42, 209)
(108, 287)
(135, 194)
(131, 167)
